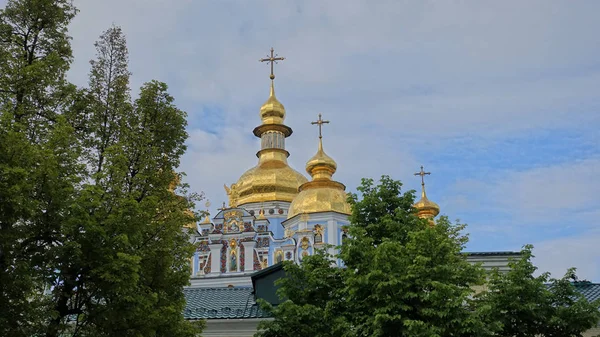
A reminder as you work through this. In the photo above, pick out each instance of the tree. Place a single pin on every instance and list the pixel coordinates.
(403, 276)
(34, 57)
(125, 257)
(521, 304)
(91, 240)
(314, 300)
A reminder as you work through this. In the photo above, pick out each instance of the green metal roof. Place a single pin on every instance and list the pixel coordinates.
(235, 303)
(591, 291)
(213, 303)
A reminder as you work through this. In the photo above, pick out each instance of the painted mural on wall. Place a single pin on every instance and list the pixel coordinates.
(236, 234)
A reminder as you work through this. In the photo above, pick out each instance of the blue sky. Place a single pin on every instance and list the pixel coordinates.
(499, 100)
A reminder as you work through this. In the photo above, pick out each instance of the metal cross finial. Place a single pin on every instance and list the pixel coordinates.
(272, 59)
(223, 207)
(422, 174)
(320, 123)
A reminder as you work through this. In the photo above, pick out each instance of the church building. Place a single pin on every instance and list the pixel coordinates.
(274, 214)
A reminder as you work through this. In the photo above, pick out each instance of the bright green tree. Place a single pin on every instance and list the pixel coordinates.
(402, 277)
(405, 277)
(518, 303)
(314, 303)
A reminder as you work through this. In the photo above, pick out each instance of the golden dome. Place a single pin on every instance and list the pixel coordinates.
(272, 111)
(425, 207)
(322, 194)
(270, 180)
(321, 164)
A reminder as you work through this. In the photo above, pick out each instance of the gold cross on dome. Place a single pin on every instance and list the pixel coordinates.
(320, 123)
(272, 59)
(422, 174)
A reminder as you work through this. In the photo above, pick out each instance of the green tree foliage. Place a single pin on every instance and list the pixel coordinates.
(314, 303)
(91, 239)
(521, 304)
(404, 277)
(35, 156)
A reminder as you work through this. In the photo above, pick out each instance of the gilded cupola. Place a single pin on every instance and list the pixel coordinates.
(426, 208)
(321, 194)
(272, 179)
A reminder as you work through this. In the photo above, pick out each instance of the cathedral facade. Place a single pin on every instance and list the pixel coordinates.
(275, 213)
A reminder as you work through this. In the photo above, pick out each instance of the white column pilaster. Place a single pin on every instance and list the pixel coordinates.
(249, 255)
(332, 235)
(215, 260)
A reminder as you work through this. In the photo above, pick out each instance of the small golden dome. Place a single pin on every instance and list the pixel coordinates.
(321, 163)
(322, 194)
(426, 208)
(272, 112)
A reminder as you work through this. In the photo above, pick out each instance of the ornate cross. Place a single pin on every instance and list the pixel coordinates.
(422, 174)
(320, 123)
(272, 59)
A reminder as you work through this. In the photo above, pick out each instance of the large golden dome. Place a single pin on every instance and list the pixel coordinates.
(322, 194)
(272, 179)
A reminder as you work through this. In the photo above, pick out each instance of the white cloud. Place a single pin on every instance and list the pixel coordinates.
(569, 190)
(581, 251)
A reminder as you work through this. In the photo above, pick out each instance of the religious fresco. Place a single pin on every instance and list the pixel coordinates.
(278, 256)
(233, 221)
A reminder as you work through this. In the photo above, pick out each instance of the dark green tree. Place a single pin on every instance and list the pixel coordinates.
(91, 240)
(35, 153)
(518, 303)
(125, 257)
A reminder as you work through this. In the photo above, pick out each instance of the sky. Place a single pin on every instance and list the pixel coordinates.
(499, 100)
